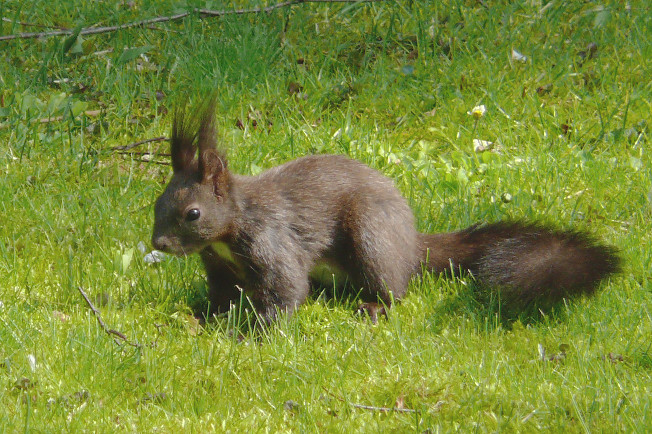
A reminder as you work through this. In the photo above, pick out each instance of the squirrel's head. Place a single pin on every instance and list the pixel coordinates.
(196, 207)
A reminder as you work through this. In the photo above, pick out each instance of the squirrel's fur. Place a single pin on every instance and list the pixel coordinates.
(266, 233)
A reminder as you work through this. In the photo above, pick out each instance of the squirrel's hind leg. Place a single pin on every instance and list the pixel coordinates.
(383, 254)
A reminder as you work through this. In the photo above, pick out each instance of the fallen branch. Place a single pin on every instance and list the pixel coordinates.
(373, 408)
(147, 160)
(384, 409)
(95, 30)
(146, 157)
(144, 154)
(162, 19)
(7, 20)
(117, 336)
(89, 113)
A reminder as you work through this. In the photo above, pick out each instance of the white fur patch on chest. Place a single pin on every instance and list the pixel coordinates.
(323, 273)
(223, 251)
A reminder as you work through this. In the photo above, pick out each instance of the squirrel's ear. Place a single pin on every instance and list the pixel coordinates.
(182, 148)
(212, 169)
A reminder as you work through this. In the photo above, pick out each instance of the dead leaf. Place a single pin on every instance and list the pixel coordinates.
(565, 129)
(24, 384)
(431, 112)
(294, 88)
(192, 324)
(80, 88)
(561, 355)
(60, 316)
(291, 406)
(438, 405)
(614, 358)
(588, 53)
(254, 117)
(154, 398)
(70, 401)
(545, 89)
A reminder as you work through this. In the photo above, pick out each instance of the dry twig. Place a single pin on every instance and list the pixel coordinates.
(146, 160)
(7, 20)
(89, 113)
(371, 407)
(150, 21)
(145, 157)
(384, 409)
(117, 336)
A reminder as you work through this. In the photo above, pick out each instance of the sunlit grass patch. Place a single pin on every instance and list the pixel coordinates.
(478, 112)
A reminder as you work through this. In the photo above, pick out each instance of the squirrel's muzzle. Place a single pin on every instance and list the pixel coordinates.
(161, 243)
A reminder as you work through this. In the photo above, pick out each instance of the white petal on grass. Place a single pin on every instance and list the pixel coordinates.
(482, 145)
(142, 248)
(154, 257)
(2, 305)
(478, 111)
(542, 352)
(32, 362)
(518, 56)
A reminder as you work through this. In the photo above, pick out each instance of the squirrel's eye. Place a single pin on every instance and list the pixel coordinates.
(193, 214)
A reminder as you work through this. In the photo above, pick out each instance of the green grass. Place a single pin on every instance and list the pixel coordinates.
(389, 84)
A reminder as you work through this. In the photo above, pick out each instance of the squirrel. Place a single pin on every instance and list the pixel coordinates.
(266, 234)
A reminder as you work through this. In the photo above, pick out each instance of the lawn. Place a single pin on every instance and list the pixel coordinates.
(563, 139)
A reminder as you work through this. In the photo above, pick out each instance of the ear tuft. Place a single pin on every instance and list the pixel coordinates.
(182, 147)
(206, 134)
(193, 132)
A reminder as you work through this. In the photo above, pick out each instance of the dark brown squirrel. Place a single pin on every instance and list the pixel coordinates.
(266, 234)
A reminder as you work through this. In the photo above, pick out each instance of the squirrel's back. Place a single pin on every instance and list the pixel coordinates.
(327, 177)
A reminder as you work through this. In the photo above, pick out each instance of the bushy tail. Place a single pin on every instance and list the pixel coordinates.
(527, 262)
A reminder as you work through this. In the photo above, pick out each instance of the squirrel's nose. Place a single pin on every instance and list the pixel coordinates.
(160, 243)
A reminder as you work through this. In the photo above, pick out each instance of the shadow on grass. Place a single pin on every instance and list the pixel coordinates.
(243, 320)
(499, 308)
(488, 306)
